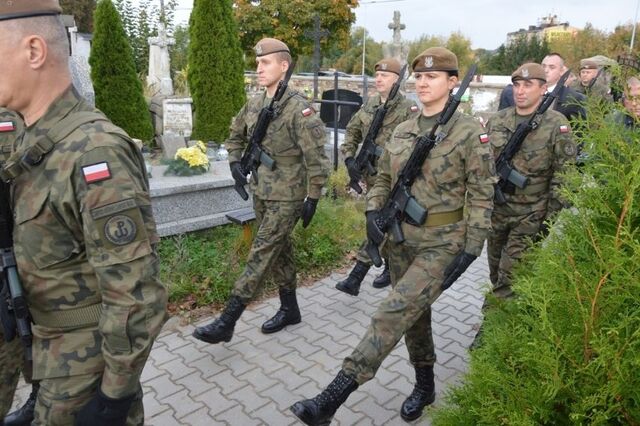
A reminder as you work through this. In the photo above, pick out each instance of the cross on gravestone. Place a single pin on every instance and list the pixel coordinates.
(396, 26)
(316, 35)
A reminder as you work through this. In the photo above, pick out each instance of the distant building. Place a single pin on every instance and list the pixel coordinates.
(549, 28)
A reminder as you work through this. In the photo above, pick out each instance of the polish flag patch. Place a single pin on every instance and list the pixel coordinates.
(414, 108)
(484, 138)
(7, 126)
(96, 172)
(564, 129)
(308, 111)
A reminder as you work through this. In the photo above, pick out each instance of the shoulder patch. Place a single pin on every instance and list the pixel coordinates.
(414, 108)
(569, 149)
(308, 111)
(564, 128)
(96, 172)
(120, 230)
(7, 126)
(484, 138)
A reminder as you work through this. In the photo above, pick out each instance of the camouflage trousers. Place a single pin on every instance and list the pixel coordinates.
(11, 363)
(417, 273)
(59, 400)
(272, 250)
(510, 237)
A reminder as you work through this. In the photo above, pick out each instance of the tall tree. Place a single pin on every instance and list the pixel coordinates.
(287, 20)
(508, 58)
(82, 11)
(216, 76)
(351, 60)
(459, 44)
(118, 91)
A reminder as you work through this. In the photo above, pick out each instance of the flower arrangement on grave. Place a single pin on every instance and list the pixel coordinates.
(189, 161)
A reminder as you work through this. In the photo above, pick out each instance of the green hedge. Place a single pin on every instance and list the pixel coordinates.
(567, 350)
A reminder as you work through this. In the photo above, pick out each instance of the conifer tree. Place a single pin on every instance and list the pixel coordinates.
(565, 351)
(118, 90)
(216, 76)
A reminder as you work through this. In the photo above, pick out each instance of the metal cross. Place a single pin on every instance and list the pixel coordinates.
(316, 35)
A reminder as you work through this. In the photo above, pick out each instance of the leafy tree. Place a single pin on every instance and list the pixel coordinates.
(179, 51)
(216, 76)
(118, 90)
(588, 42)
(461, 46)
(287, 20)
(351, 60)
(565, 351)
(82, 11)
(508, 58)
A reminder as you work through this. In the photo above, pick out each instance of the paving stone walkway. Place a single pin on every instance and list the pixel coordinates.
(253, 379)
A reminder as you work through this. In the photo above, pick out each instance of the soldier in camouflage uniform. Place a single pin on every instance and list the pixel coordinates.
(591, 81)
(11, 353)
(400, 109)
(542, 156)
(84, 235)
(295, 140)
(456, 188)
(630, 117)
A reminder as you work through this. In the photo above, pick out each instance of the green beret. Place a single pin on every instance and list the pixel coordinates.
(435, 59)
(588, 64)
(267, 46)
(529, 71)
(16, 9)
(389, 65)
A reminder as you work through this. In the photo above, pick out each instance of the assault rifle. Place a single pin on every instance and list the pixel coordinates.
(14, 313)
(509, 177)
(254, 155)
(401, 205)
(370, 151)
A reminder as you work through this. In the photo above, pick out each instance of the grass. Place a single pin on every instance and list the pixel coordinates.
(200, 268)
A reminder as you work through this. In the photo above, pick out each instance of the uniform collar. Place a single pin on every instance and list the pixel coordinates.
(60, 108)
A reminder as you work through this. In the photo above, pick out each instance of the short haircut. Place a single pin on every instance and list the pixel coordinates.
(558, 55)
(283, 56)
(50, 28)
(453, 73)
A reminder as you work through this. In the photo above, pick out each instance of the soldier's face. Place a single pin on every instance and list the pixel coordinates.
(270, 70)
(527, 94)
(433, 86)
(553, 69)
(384, 82)
(632, 99)
(587, 75)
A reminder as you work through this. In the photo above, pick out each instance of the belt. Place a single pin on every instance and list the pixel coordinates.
(445, 218)
(69, 318)
(287, 160)
(532, 189)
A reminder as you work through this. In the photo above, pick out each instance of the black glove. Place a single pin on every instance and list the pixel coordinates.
(543, 231)
(104, 411)
(236, 173)
(460, 264)
(354, 174)
(308, 210)
(374, 233)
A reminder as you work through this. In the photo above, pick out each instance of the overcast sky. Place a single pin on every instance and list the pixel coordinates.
(485, 22)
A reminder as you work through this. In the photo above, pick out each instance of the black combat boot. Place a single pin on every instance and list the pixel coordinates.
(319, 410)
(424, 393)
(23, 416)
(222, 328)
(351, 285)
(288, 313)
(384, 279)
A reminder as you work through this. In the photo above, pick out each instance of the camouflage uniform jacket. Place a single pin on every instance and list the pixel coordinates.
(459, 173)
(401, 109)
(599, 90)
(541, 158)
(295, 140)
(85, 247)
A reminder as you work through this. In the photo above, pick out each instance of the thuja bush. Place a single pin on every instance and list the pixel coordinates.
(566, 350)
